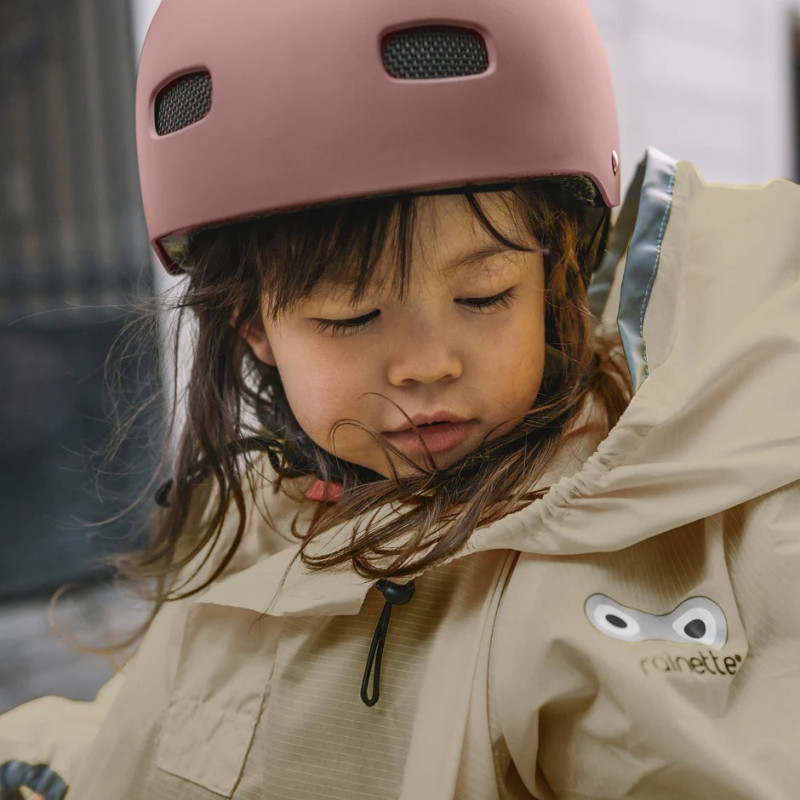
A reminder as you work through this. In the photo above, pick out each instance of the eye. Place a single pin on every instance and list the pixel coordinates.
(612, 618)
(699, 623)
(342, 327)
(501, 300)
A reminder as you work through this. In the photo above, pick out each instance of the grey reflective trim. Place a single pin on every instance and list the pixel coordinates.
(39, 777)
(644, 256)
(640, 227)
(603, 277)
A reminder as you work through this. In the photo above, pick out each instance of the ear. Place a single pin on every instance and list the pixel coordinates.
(256, 336)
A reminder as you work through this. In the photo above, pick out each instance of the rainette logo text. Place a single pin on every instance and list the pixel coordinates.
(698, 621)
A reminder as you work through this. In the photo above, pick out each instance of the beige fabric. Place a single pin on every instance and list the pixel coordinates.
(496, 682)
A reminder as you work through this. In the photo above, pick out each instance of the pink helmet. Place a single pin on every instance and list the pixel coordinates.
(246, 107)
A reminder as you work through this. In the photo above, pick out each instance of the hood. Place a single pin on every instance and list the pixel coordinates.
(707, 302)
(702, 282)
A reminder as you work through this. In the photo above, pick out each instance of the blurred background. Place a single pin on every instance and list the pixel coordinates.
(716, 82)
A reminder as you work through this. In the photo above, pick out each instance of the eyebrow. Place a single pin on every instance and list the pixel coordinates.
(465, 261)
(473, 258)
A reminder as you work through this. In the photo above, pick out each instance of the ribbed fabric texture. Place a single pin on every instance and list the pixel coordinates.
(312, 743)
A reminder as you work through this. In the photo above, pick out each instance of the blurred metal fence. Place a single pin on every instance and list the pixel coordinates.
(73, 257)
(71, 230)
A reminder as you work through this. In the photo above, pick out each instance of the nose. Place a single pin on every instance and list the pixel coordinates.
(424, 355)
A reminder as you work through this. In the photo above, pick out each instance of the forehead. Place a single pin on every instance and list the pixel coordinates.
(445, 238)
(446, 224)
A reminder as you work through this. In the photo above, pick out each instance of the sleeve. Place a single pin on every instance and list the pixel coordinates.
(42, 742)
(51, 743)
(45, 743)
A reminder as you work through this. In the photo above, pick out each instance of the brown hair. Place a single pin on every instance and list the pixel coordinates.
(236, 405)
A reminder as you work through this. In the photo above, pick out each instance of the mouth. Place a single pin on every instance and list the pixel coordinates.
(433, 433)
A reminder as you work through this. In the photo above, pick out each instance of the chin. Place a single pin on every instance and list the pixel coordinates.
(441, 461)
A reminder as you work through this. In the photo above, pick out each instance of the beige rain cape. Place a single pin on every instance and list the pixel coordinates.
(633, 634)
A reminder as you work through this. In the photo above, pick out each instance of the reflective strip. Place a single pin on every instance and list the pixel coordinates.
(640, 228)
(39, 777)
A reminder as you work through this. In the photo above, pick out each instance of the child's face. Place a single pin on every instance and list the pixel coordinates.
(464, 348)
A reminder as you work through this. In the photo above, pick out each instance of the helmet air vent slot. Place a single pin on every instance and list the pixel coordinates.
(183, 102)
(424, 53)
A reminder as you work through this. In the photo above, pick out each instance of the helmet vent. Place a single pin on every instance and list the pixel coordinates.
(183, 102)
(434, 52)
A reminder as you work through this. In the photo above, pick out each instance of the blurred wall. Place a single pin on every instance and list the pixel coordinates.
(73, 260)
(709, 81)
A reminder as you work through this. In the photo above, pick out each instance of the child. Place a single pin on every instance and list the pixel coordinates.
(387, 219)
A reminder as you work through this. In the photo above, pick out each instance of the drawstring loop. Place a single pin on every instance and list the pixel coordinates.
(396, 594)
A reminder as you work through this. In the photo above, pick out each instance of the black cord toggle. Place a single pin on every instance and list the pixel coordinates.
(396, 594)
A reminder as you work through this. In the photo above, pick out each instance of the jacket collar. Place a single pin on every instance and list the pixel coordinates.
(281, 585)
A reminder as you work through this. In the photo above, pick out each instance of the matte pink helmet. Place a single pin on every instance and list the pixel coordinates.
(246, 107)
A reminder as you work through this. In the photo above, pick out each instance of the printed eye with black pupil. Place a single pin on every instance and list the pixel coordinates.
(614, 620)
(696, 629)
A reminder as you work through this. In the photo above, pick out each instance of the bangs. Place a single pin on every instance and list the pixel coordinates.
(343, 244)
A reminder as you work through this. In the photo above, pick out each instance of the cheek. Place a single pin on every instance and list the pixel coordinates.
(517, 353)
(319, 389)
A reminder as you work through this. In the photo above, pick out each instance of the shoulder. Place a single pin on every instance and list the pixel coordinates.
(271, 513)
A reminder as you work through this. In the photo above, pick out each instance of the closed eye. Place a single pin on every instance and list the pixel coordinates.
(501, 300)
(345, 326)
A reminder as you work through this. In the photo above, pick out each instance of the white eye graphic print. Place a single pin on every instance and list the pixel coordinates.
(699, 620)
(610, 618)
(695, 621)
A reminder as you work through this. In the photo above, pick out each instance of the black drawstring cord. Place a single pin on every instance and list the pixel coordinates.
(396, 594)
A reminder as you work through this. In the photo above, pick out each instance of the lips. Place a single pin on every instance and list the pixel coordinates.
(435, 433)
